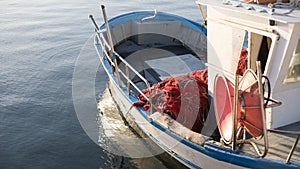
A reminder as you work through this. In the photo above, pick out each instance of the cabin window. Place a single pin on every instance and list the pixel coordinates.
(293, 74)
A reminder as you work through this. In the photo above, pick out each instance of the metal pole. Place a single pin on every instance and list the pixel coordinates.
(128, 83)
(94, 22)
(235, 109)
(112, 55)
(263, 112)
(203, 14)
(292, 150)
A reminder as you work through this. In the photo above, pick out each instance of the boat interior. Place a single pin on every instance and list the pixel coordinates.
(156, 57)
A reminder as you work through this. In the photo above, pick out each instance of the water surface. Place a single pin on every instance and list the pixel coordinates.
(40, 44)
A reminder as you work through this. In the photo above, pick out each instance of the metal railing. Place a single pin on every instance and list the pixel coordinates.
(112, 56)
(106, 47)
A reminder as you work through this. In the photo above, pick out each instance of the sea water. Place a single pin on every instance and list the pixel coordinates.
(43, 46)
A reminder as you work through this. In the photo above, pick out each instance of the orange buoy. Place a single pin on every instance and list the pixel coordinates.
(251, 117)
(249, 112)
(223, 103)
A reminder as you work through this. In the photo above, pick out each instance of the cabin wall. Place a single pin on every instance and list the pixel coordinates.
(288, 112)
(222, 22)
(223, 47)
(282, 54)
(287, 92)
(226, 33)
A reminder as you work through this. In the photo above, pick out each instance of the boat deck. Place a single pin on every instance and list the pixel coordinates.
(279, 144)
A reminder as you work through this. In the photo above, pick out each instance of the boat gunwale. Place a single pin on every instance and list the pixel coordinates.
(160, 16)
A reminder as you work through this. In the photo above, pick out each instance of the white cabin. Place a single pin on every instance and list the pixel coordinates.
(271, 35)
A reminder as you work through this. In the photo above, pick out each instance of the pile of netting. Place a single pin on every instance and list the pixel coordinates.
(243, 62)
(185, 97)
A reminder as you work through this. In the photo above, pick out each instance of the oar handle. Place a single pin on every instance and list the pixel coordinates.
(94, 22)
(110, 41)
(107, 28)
(103, 7)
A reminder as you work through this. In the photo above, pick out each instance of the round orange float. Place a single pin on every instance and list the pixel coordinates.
(249, 112)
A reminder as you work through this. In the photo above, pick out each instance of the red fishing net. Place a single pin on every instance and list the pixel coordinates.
(185, 97)
(243, 61)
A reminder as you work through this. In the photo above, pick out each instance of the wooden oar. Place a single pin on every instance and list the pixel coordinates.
(203, 15)
(112, 52)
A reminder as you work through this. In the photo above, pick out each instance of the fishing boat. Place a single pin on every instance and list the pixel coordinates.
(221, 94)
